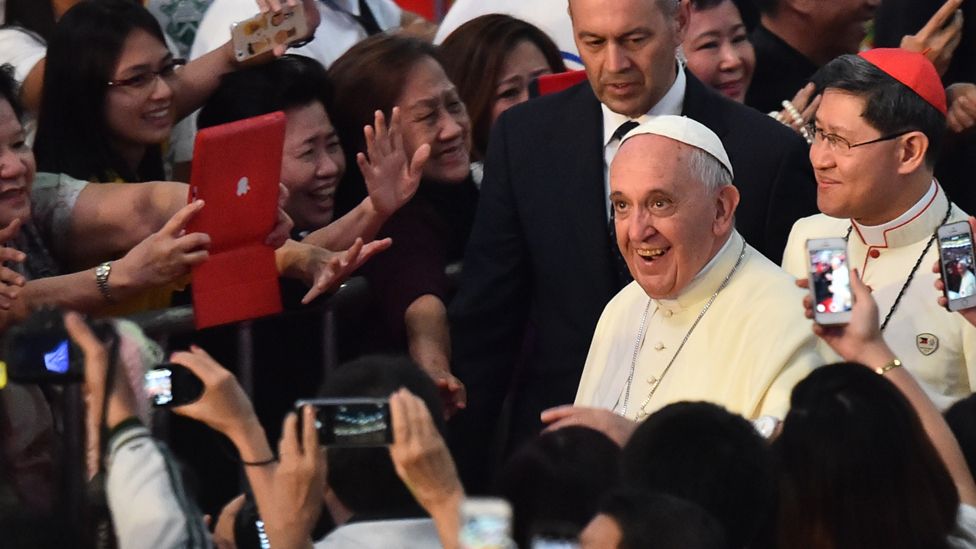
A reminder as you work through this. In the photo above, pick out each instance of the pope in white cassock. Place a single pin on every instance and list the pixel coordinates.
(881, 118)
(707, 317)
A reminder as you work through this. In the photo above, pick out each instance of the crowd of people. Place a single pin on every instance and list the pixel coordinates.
(584, 227)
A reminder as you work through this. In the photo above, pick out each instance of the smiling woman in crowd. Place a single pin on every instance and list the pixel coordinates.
(717, 47)
(112, 92)
(492, 59)
(410, 286)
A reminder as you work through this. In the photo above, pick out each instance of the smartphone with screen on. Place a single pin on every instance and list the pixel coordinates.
(958, 264)
(486, 523)
(261, 33)
(830, 280)
(351, 422)
(172, 385)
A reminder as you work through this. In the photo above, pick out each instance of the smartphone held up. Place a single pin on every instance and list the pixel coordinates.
(830, 280)
(958, 264)
(351, 422)
(172, 385)
(261, 33)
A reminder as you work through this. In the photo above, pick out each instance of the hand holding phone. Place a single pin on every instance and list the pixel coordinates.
(265, 31)
(958, 265)
(351, 422)
(830, 280)
(170, 384)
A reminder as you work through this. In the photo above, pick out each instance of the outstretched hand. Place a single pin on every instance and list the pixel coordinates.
(164, 256)
(324, 270)
(940, 36)
(223, 406)
(391, 178)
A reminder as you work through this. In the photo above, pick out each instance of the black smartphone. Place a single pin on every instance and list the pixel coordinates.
(40, 351)
(171, 384)
(351, 422)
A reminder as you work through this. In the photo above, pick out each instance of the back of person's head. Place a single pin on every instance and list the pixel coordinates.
(287, 82)
(364, 479)
(889, 106)
(661, 521)
(555, 480)
(474, 57)
(852, 444)
(961, 418)
(73, 136)
(700, 452)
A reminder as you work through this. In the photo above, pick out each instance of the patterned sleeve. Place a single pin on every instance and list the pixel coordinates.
(53, 199)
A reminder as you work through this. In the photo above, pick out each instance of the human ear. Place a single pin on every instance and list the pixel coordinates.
(681, 20)
(911, 153)
(726, 201)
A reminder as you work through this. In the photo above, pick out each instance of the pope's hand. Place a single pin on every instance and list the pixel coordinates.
(617, 428)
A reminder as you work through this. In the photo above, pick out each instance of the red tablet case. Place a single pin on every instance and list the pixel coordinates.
(236, 169)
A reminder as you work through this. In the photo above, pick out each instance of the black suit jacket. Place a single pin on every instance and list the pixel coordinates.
(540, 247)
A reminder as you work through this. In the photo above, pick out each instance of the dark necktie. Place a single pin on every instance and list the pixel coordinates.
(620, 266)
(366, 19)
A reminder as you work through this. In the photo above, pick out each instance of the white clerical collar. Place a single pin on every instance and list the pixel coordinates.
(671, 103)
(708, 279)
(901, 228)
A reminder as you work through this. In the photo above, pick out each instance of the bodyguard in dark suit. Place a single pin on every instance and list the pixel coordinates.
(541, 263)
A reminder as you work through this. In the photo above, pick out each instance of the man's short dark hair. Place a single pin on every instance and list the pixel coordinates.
(700, 452)
(890, 106)
(364, 479)
(557, 478)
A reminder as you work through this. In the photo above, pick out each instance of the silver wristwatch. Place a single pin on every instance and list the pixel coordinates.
(101, 279)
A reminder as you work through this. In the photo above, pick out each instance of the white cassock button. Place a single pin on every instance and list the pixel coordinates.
(668, 313)
(659, 346)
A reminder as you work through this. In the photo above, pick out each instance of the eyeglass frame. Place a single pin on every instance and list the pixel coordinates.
(132, 82)
(814, 131)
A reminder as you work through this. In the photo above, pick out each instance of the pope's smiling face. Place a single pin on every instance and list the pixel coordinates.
(668, 223)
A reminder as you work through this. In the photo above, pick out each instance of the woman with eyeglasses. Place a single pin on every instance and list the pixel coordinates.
(113, 91)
